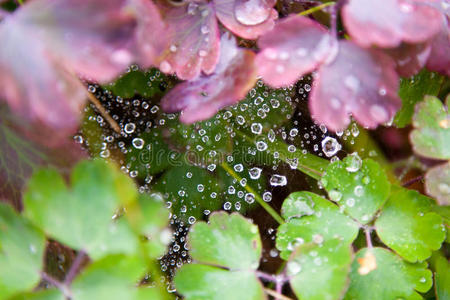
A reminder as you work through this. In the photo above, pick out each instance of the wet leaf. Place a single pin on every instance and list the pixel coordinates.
(21, 253)
(412, 90)
(202, 98)
(294, 47)
(312, 219)
(246, 18)
(408, 226)
(227, 252)
(66, 215)
(48, 294)
(431, 136)
(390, 22)
(437, 183)
(312, 264)
(114, 277)
(359, 82)
(393, 278)
(442, 277)
(410, 58)
(360, 188)
(194, 40)
(439, 59)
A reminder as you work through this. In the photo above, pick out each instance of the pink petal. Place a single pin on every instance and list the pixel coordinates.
(410, 58)
(194, 39)
(387, 23)
(34, 82)
(358, 82)
(246, 18)
(294, 47)
(200, 99)
(439, 59)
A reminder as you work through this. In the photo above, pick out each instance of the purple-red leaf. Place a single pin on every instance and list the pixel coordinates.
(294, 47)
(387, 23)
(439, 59)
(410, 58)
(246, 18)
(194, 39)
(200, 99)
(359, 82)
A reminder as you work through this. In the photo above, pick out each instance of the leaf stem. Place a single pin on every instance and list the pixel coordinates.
(258, 199)
(276, 295)
(267, 277)
(367, 231)
(59, 285)
(316, 8)
(74, 267)
(103, 112)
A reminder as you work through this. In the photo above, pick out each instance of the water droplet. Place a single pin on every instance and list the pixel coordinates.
(353, 162)
(138, 143)
(278, 180)
(238, 168)
(255, 172)
(227, 205)
(293, 268)
(330, 146)
(350, 202)
(335, 195)
(249, 198)
(267, 196)
(358, 191)
(256, 128)
(251, 12)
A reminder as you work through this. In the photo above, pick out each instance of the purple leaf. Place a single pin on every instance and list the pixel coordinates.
(246, 18)
(437, 183)
(359, 82)
(47, 43)
(294, 47)
(200, 99)
(439, 59)
(410, 58)
(387, 23)
(194, 39)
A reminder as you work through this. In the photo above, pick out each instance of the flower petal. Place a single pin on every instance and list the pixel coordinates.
(359, 82)
(246, 18)
(194, 40)
(389, 22)
(294, 47)
(410, 58)
(200, 99)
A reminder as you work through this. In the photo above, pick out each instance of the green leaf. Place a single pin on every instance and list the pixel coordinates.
(311, 218)
(81, 217)
(21, 253)
(227, 251)
(114, 277)
(431, 136)
(202, 282)
(360, 188)
(441, 277)
(444, 212)
(437, 183)
(146, 84)
(392, 277)
(51, 294)
(412, 90)
(409, 227)
(320, 272)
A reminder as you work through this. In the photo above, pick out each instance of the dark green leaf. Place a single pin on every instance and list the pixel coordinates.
(409, 227)
(146, 84)
(412, 90)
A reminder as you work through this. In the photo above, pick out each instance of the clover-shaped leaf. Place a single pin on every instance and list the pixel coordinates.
(359, 187)
(313, 264)
(114, 277)
(311, 218)
(409, 227)
(81, 217)
(431, 137)
(21, 253)
(389, 278)
(227, 253)
(437, 183)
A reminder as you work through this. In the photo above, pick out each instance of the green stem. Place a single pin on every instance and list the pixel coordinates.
(258, 199)
(316, 8)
